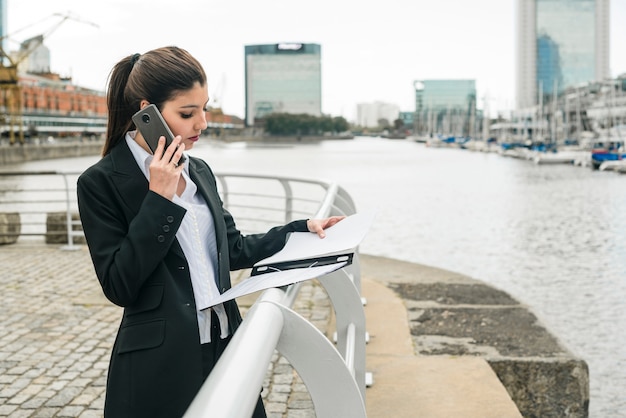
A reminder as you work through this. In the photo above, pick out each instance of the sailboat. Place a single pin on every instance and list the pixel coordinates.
(559, 150)
(610, 148)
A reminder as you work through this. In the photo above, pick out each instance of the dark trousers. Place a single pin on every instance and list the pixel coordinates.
(212, 351)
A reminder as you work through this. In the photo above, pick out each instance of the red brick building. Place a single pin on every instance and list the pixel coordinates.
(49, 105)
(53, 106)
(50, 93)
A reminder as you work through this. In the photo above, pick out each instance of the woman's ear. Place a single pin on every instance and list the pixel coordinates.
(143, 104)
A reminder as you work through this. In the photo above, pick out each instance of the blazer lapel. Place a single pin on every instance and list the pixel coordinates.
(200, 175)
(128, 177)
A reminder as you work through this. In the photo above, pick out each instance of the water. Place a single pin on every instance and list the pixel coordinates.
(554, 237)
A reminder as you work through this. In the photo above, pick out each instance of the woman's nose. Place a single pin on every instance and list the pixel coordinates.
(201, 123)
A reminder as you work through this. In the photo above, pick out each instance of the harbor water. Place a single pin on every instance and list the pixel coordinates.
(553, 236)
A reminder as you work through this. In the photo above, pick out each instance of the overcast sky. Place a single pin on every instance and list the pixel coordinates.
(371, 51)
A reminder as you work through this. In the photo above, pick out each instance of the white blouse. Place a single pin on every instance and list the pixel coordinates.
(196, 236)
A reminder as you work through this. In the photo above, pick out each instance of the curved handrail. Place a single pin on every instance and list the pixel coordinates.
(338, 388)
(268, 325)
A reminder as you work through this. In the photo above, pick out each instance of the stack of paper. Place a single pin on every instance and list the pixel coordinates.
(305, 256)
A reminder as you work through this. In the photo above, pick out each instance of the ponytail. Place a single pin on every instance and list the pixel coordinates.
(119, 110)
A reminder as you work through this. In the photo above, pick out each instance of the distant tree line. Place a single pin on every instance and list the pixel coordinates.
(303, 124)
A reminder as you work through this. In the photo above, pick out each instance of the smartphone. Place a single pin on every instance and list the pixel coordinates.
(152, 126)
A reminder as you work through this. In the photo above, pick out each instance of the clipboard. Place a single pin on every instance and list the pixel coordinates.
(304, 257)
(304, 249)
(271, 279)
(300, 264)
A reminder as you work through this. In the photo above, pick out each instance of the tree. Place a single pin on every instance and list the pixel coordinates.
(340, 124)
(398, 124)
(383, 123)
(303, 124)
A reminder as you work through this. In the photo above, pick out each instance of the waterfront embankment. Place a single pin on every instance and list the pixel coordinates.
(452, 317)
(20, 153)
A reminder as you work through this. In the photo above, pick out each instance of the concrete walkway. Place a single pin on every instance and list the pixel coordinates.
(407, 385)
(57, 330)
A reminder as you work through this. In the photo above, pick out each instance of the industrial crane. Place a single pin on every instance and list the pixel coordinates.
(10, 88)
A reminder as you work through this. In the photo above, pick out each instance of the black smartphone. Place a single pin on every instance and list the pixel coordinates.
(152, 126)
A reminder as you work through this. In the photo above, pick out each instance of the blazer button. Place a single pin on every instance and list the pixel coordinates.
(160, 238)
(166, 228)
(170, 219)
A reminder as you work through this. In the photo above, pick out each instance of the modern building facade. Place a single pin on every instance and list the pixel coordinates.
(560, 44)
(377, 114)
(282, 78)
(444, 106)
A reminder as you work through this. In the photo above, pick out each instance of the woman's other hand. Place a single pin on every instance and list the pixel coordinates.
(319, 225)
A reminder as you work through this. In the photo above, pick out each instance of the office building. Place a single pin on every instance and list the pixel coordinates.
(282, 78)
(560, 44)
(444, 106)
(377, 114)
(444, 94)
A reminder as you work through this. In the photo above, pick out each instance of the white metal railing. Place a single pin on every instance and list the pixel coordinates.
(44, 205)
(257, 201)
(232, 388)
(335, 376)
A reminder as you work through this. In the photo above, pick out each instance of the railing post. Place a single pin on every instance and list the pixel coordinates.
(333, 388)
(224, 185)
(288, 200)
(68, 217)
(346, 300)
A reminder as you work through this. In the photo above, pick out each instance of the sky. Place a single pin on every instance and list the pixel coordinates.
(371, 51)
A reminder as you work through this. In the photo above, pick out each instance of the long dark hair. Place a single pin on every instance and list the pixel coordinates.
(156, 76)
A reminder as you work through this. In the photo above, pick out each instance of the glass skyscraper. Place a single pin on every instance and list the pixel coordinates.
(560, 44)
(444, 105)
(444, 94)
(282, 78)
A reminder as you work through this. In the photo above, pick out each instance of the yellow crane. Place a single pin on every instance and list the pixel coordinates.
(10, 89)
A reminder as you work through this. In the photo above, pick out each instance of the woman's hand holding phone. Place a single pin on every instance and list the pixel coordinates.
(152, 126)
(165, 172)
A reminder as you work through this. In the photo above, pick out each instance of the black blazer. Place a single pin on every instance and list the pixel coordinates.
(156, 367)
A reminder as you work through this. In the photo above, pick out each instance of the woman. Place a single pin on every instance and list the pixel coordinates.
(161, 241)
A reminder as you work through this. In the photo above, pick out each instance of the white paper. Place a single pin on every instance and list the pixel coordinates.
(270, 280)
(344, 236)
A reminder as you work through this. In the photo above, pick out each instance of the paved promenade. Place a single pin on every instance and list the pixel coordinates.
(57, 330)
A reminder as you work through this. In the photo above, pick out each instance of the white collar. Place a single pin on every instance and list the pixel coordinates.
(143, 157)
